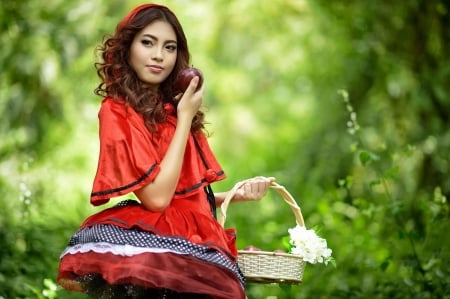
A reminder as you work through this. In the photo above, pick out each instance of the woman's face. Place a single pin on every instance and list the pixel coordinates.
(153, 53)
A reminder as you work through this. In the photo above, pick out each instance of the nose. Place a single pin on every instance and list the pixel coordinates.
(157, 54)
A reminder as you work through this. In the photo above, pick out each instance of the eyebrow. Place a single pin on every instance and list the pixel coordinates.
(155, 38)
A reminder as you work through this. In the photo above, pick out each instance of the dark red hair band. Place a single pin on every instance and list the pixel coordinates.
(134, 12)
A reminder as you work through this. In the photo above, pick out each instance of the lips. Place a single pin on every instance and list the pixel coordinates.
(155, 68)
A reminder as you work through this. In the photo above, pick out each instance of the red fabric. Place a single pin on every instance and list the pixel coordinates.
(130, 155)
(197, 276)
(188, 218)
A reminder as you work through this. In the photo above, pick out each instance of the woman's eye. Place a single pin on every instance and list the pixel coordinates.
(147, 42)
(171, 48)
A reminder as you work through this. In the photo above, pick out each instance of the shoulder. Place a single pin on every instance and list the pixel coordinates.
(116, 110)
(113, 119)
(111, 106)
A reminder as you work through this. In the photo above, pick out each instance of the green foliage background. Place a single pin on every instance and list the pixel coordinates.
(345, 102)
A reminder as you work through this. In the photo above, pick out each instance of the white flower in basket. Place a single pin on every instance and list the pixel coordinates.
(277, 267)
(307, 244)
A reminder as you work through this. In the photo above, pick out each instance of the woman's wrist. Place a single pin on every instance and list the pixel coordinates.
(220, 197)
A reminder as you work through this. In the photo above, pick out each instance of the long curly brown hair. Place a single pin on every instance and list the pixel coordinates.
(120, 81)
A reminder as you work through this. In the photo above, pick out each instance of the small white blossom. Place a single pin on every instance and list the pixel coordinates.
(309, 246)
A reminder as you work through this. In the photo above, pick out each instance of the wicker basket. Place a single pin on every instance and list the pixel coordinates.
(269, 267)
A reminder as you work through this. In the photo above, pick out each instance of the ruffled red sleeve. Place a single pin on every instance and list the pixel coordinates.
(130, 155)
(127, 162)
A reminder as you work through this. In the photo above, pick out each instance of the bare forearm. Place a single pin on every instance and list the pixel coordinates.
(157, 195)
(250, 189)
(220, 197)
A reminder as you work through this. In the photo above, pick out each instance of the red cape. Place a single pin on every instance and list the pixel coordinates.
(130, 155)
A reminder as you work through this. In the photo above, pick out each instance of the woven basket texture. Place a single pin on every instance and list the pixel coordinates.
(269, 267)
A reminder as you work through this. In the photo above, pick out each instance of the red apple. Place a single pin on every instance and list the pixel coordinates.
(280, 251)
(252, 248)
(185, 76)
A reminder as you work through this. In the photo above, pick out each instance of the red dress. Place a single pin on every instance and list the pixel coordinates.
(182, 248)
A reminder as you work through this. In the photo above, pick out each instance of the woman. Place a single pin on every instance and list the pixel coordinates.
(152, 143)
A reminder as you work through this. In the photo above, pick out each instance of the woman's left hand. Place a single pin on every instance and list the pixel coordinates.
(253, 189)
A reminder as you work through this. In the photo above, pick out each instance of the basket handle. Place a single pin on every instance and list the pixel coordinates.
(279, 188)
